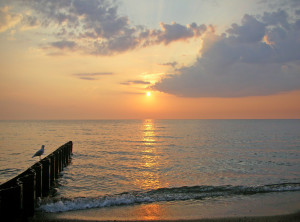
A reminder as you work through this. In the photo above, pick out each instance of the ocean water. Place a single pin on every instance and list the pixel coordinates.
(136, 162)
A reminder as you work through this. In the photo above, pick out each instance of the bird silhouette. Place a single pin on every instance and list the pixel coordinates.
(39, 152)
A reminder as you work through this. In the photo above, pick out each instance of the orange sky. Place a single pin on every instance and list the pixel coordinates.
(196, 66)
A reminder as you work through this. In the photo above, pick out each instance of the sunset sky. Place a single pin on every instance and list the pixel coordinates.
(199, 59)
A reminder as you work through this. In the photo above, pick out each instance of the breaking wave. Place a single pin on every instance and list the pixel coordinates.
(163, 194)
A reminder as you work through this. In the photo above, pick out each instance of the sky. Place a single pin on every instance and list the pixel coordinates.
(159, 59)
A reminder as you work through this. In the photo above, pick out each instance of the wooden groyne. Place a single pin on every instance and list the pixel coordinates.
(19, 195)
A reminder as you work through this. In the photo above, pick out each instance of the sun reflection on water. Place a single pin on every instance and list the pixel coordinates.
(150, 160)
(150, 176)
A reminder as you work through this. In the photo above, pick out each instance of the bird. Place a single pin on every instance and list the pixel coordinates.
(39, 152)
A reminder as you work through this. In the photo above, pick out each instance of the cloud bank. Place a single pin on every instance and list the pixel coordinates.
(93, 27)
(261, 56)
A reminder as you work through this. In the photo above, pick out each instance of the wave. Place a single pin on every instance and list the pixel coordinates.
(163, 194)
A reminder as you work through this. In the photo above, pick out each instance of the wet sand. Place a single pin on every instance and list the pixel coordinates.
(278, 218)
(266, 207)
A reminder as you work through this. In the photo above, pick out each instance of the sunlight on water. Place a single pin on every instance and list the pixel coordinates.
(150, 159)
(124, 162)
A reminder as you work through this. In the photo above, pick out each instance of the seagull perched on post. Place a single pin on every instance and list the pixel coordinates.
(39, 152)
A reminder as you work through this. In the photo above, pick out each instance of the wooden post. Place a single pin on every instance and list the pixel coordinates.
(46, 162)
(67, 155)
(56, 164)
(58, 153)
(60, 160)
(52, 168)
(70, 149)
(28, 181)
(38, 168)
(64, 155)
(18, 195)
(11, 202)
(71, 146)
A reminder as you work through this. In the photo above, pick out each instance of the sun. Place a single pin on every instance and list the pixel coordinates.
(148, 93)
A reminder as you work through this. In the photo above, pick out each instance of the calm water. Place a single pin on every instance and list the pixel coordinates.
(124, 162)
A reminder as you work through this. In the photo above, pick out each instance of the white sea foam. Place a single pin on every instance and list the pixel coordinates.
(164, 194)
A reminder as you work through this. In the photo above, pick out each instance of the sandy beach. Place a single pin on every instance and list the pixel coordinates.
(268, 207)
(277, 218)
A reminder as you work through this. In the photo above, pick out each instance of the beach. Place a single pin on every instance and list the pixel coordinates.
(278, 218)
(267, 207)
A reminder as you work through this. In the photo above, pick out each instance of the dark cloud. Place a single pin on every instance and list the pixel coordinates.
(101, 18)
(258, 57)
(116, 44)
(279, 17)
(53, 12)
(96, 27)
(93, 25)
(87, 78)
(173, 64)
(175, 32)
(63, 44)
(91, 76)
(170, 33)
(136, 82)
(251, 30)
(29, 22)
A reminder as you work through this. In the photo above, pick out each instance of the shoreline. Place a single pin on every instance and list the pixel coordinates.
(271, 207)
(294, 217)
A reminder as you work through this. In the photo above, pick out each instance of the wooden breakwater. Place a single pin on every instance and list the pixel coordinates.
(19, 195)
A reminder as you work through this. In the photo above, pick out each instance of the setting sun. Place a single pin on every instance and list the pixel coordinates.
(105, 66)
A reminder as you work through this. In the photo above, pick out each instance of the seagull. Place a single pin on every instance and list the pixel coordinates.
(39, 152)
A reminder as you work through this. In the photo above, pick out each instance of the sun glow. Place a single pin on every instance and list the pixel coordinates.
(148, 93)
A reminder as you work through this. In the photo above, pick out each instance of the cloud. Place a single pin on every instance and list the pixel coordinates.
(8, 19)
(258, 57)
(95, 26)
(251, 30)
(63, 44)
(176, 32)
(91, 76)
(136, 82)
(29, 22)
(173, 64)
(169, 33)
(117, 44)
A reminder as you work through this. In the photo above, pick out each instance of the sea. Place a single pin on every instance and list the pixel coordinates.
(157, 168)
